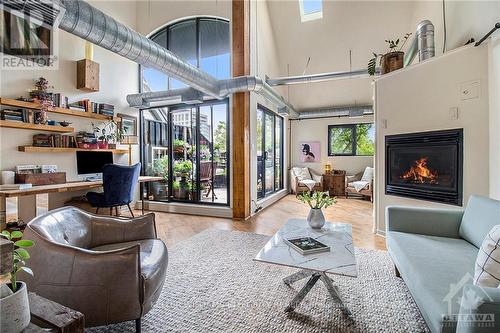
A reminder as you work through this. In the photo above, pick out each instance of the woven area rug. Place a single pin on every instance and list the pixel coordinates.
(213, 285)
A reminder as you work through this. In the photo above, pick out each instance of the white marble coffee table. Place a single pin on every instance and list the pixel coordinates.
(340, 260)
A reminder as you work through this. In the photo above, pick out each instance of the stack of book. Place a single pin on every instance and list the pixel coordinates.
(15, 115)
(60, 100)
(86, 140)
(107, 109)
(79, 105)
(54, 140)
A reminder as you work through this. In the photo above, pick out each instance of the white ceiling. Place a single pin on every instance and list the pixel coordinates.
(359, 26)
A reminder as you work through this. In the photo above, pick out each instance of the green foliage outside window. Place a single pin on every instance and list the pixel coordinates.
(351, 140)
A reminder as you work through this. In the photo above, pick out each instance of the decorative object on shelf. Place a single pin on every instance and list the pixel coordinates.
(128, 124)
(130, 140)
(317, 201)
(328, 168)
(44, 98)
(15, 314)
(64, 123)
(37, 179)
(87, 71)
(310, 152)
(107, 132)
(392, 60)
(8, 177)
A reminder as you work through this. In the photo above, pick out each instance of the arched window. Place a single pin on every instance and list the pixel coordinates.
(203, 42)
(188, 145)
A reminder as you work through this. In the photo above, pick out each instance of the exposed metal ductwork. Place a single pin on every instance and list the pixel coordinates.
(300, 79)
(91, 24)
(343, 111)
(422, 43)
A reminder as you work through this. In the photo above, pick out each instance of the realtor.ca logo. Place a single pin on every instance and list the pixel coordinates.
(464, 305)
(28, 35)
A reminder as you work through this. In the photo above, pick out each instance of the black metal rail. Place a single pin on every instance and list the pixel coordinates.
(496, 27)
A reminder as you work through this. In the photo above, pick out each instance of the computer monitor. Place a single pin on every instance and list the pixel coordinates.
(89, 164)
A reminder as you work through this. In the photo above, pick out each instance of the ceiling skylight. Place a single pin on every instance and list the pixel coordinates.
(311, 10)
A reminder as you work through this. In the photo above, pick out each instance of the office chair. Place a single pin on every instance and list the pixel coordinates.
(119, 184)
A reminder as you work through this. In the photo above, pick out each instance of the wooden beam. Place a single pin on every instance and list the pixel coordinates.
(241, 110)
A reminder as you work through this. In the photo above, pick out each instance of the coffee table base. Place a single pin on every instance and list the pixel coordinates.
(313, 278)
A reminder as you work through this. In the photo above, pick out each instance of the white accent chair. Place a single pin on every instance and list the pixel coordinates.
(298, 174)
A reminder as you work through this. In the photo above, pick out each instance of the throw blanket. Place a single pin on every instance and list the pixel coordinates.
(360, 185)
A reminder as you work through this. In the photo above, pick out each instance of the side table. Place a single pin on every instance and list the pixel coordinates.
(334, 183)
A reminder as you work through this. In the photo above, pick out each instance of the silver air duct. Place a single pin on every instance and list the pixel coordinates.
(288, 80)
(422, 43)
(344, 111)
(89, 23)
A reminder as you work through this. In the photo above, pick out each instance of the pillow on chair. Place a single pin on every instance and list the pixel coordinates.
(367, 175)
(487, 268)
(302, 173)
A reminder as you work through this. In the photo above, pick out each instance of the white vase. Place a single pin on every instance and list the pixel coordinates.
(15, 310)
(316, 219)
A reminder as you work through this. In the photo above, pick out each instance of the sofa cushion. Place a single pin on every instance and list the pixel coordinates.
(431, 266)
(154, 260)
(480, 215)
(487, 269)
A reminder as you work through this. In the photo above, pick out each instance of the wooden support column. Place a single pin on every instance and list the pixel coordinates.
(241, 110)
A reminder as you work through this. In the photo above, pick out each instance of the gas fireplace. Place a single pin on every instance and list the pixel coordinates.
(426, 165)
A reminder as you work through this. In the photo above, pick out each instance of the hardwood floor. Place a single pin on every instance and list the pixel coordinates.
(173, 228)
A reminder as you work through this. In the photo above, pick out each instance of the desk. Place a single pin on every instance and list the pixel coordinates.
(57, 188)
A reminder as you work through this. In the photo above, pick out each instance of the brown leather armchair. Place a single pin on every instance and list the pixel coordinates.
(110, 269)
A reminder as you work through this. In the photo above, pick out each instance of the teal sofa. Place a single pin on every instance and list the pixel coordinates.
(434, 251)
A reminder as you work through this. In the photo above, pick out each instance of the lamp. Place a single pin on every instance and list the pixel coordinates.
(130, 140)
(328, 168)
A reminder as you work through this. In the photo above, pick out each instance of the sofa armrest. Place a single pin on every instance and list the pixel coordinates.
(108, 230)
(479, 310)
(425, 221)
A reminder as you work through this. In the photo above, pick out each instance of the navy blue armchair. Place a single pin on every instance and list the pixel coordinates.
(119, 184)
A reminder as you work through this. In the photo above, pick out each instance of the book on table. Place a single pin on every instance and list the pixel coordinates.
(306, 245)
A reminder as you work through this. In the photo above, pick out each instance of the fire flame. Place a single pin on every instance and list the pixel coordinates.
(420, 173)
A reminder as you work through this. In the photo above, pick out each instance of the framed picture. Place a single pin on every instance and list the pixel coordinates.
(310, 152)
(128, 125)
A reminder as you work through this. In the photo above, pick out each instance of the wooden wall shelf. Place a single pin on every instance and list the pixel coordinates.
(35, 127)
(32, 149)
(69, 112)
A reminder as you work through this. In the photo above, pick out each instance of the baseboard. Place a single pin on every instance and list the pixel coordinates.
(180, 208)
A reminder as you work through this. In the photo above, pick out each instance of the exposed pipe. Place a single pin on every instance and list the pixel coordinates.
(343, 111)
(422, 43)
(89, 23)
(300, 79)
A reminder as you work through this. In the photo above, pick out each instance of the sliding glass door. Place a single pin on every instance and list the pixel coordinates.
(189, 147)
(269, 152)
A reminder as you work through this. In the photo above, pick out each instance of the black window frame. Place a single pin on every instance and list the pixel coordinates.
(353, 128)
(265, 111)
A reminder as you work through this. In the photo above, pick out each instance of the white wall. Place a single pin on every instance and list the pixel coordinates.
(464, 20)
(317, 130)
(494, 71)
(118, 77)
(419, 98)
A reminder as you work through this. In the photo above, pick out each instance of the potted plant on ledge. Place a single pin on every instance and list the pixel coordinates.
(317, 201)
(392, 60)
(15, 315)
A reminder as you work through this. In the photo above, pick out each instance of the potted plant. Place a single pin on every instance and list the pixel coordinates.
(41, 95)
(183, 168)
(107, 134)
(392, 60)
(15, 314)
(159, 168)
(317, 201)
(181, 189)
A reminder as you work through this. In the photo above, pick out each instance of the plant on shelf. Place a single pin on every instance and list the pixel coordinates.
(41, 95)
(179, 146)
(317, 201)
(392, 59)
(15, 314)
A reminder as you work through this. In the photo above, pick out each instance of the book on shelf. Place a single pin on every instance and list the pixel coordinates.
(306, 245)
(54, 140)
(15, 115)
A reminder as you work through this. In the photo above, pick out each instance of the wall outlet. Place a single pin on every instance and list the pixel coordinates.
(470, 90)
(454, 113)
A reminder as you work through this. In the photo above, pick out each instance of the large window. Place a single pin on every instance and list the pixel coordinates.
(351, 140)
(203, 42)
(269, 152)
(188, 145)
